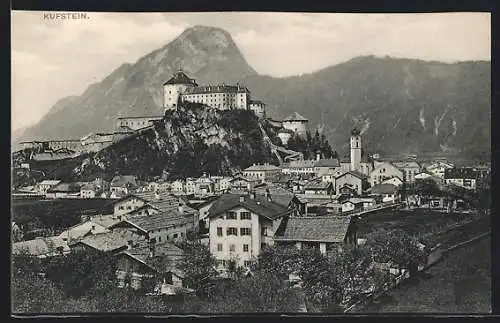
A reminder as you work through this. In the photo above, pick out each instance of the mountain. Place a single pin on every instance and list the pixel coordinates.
(401, 105)
(205, 53)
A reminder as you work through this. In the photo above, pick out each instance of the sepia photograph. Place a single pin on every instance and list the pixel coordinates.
(250, 162)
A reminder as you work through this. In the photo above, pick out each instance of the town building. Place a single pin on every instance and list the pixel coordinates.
(352, 179)
(319, 187)
(63, 190)
(41, 247)
(384, 171)
(258, 107)
(357, 204)
(159, 227)
(463, 177)
(261, 172)
(96, 142)
(45, 185)
(396, 181)
(409, 168)
(388, 192)
(137, 122)
(240, 226)
(438, 168)
(147, 261)
(124, 184)
(296, 123)
(326, 233)
(90, 191)
(298, 167)
(242, 183)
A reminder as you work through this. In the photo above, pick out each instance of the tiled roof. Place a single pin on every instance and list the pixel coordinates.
(460, 173)
(65, 188)
(406, 164)
(164, 249)
(308, 163)
(260, 205)
(383, 189)
(314, 229)
(295, 117)
(180, 78)
(329, 162)
(167, 202)
(39, 246)
(158, 221)
(357, 200)
(109, 241)
(279, 195)
(221, 88)
(265, 167)
(354, 173)
(317, 185)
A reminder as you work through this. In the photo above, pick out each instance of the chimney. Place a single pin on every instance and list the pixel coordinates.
(242, 198)
(318, 155)
(252, 195)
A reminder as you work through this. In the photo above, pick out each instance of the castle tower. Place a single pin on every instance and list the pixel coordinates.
(355, 149)
(175, 87)
(296, 123)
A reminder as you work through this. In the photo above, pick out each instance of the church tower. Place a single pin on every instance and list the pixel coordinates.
(355, 149)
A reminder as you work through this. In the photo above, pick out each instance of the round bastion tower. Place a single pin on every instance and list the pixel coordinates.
(355, 149)
(175, 87)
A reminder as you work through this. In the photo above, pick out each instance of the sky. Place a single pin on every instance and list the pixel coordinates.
(55, 58)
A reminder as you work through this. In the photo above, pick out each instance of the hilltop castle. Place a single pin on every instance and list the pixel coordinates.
(181, 88)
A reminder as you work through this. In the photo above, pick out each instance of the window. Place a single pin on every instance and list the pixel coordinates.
(232, 231)
(182, 234)
(120, 207)
(231, 215)
(245, 248)
(129, 207)
(245, 231)
(245, 216)
(247, 263)
(159, 239)
(219, 232)
(219, 247)
(175, 235)
(232, 247)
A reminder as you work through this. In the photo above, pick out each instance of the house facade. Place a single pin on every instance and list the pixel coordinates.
(261, 172)
(240, 227)
(355, 180)
(463, 177)
(384, 171)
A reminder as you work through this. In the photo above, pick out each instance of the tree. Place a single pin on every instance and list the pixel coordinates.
(77, 273)
(198, 265)
(353, 267)
(395, 246)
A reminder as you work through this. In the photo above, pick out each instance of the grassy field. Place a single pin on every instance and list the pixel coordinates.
(460, 283)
